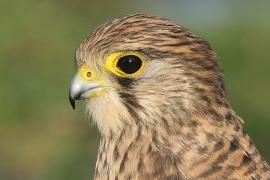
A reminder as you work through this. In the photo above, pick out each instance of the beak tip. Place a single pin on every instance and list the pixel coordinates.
(72, 102)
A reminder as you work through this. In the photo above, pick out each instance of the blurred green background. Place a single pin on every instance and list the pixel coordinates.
(42, 138)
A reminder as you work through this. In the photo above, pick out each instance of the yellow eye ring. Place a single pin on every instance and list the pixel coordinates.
(125, 64)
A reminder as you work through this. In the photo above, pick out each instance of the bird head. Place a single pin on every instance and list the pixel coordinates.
(140, 69)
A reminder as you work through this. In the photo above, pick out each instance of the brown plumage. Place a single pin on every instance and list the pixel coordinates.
(170, 121)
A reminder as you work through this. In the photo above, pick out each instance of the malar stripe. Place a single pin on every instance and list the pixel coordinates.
(125, 82)
(131, 105)
(131, 100)
(133, 113)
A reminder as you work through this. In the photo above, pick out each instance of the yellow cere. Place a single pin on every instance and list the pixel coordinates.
(111, 63)
(86, 73)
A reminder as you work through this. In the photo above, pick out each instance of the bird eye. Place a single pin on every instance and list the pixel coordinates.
(129, 64)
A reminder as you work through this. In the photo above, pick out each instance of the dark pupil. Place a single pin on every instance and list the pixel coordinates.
(129, 64)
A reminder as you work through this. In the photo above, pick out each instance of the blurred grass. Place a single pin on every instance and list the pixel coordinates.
(42, 138)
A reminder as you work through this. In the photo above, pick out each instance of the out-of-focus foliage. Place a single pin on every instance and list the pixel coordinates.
(41, 137)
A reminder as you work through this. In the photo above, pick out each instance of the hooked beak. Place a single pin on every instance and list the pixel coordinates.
(80, 89)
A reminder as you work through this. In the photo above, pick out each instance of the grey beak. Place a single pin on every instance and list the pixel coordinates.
(74, 91)
(80, 89)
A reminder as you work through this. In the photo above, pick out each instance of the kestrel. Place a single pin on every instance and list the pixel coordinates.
(156, 93)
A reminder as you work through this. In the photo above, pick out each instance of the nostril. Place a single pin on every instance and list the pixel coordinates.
(89, 74)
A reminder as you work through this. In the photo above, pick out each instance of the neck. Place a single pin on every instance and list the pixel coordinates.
(133, 152)
(173, 149)
(113, 152)
(149, 151)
